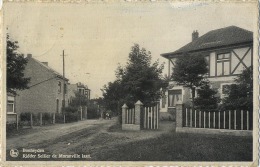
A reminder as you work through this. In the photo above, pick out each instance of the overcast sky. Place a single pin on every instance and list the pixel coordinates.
(96, 37)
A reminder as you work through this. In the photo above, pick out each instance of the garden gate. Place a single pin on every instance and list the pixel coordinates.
(140, 117)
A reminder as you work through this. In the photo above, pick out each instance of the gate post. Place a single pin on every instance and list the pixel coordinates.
(138, 110)
(124, 108)
(179, 110)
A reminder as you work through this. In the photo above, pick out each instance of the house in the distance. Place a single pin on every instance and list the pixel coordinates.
(46, 88)
(78, 88)
(227, 50)
(83, 90)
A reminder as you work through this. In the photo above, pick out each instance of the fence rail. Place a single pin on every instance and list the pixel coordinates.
(230, 119)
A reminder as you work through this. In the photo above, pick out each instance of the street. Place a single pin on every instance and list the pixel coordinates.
(88, 137)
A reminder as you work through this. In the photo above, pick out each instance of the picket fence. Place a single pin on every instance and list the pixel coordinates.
(231, 119)
(151, 117)
(148, 118)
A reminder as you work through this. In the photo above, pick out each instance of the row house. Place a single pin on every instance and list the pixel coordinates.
(47, 89)
(227, 51)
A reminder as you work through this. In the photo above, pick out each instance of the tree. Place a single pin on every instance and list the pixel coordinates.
(78, 100)
(189, 71)
(240, 95)
(15, 66)
(140, 79)
(113, 96)
(206, 99)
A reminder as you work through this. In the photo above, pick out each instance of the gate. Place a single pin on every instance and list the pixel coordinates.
(151, 117)
(140, 117)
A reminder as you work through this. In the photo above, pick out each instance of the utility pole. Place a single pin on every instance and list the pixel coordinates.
(63, 100)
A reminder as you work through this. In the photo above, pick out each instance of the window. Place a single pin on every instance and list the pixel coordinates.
(65, 88)
(207, 61)
(223, 64)
(59, 87)
(163, 101)
(57, 106)
(225, 87)
(81, 91)
(174, 96)
(10, 106)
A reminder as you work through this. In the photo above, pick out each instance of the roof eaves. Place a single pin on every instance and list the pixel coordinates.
(175, 53)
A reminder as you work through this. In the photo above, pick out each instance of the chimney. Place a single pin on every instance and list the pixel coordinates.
(45, 63)
(195, 35)
(29, 55)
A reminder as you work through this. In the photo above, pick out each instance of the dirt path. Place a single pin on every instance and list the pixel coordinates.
(41, 136)
(88, 137)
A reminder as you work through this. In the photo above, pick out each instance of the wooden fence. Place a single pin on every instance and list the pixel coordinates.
(230, 119)
(140, 117)
(130, 116)
(151, 117)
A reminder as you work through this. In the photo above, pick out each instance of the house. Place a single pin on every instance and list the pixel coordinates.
(46, 91)
(80, 88)
(83, 91)
(10, 109)
(227, 51)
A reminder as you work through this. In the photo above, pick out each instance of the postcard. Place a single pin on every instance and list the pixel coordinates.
(129, 83)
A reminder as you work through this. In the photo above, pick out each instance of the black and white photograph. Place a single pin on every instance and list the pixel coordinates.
(130, 82)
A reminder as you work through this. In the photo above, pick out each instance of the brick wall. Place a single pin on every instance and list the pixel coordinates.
(43, 91)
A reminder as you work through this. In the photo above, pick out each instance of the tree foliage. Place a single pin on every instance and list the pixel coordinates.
(140, 79)
(240, 95)
(15, 66)
(78, 100)
(189, 71)
(206, 99)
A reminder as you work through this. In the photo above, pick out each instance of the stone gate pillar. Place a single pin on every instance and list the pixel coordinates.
(124, 108)
(138, 111)
(179, 115)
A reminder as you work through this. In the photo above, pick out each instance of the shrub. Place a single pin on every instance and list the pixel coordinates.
(26, 116)
(240, 95)
(71, 117)
(12, 126)
(59, 118)
(71, 114)
(46, 118)
(92, 111)
(206, 99)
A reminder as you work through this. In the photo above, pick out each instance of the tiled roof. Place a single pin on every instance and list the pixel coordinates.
(216, 38)
(49, 68)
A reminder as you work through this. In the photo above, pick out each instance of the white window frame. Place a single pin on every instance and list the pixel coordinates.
(12, 103)
(222, 60)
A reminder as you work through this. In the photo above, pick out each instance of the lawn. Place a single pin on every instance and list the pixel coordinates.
(104, 140)
(181, 147)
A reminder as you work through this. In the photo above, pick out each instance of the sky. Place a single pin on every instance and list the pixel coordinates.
(96, 37)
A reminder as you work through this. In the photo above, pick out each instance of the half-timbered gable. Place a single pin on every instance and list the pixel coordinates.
(227, 50)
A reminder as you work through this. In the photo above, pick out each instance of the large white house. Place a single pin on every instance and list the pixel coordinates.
(227, 50)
